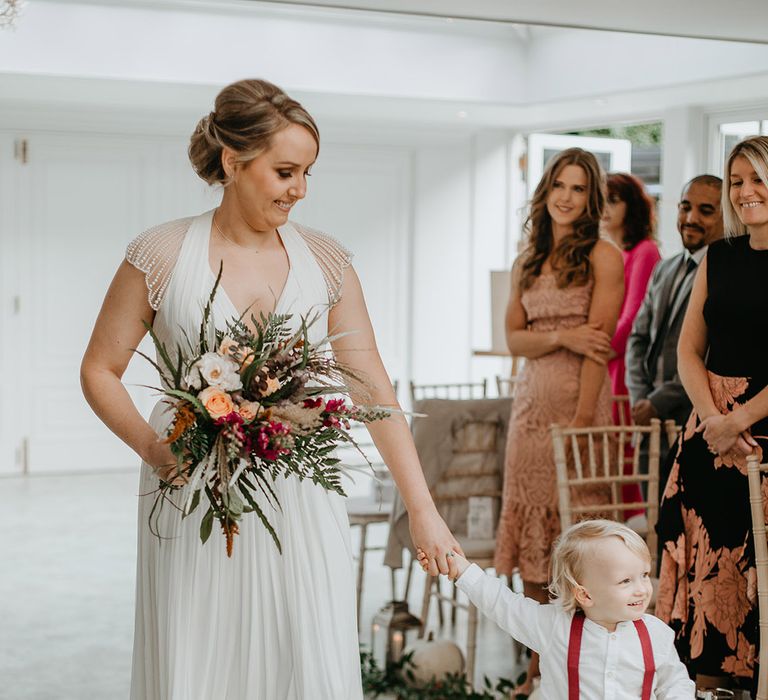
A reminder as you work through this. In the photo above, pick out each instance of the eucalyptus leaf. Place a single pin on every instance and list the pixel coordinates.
(195, 502)
(235, 502)
(206, 526)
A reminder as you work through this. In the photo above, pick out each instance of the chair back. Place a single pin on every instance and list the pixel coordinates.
(461, 445)
(457, 390)
(505, 386)
(757, 507)
(597, 457)
(672, 430)
(621, 409)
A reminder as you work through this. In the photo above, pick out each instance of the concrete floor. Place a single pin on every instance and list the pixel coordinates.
(67, 575)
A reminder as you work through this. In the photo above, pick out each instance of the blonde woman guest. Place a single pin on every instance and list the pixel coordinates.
(707, 585)
(567, 289)
(261, 625)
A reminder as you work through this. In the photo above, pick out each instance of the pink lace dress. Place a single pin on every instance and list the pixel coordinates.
(546, 393)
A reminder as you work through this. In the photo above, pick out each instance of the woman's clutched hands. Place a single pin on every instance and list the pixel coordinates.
(722, 435)
(587, 340)
(431, 536)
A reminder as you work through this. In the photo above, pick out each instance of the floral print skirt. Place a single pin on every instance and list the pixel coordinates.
(707, 583)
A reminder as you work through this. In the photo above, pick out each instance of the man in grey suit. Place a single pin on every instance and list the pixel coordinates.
(654, 385)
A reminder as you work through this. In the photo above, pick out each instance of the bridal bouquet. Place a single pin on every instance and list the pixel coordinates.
(249, 408)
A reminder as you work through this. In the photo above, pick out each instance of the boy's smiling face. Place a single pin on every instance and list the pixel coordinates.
(616, 584)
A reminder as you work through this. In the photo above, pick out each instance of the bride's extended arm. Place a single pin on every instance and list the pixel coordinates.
(119, 328)
(391, 436)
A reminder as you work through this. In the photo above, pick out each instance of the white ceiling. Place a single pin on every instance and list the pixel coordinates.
(358, 66)
(734, 20)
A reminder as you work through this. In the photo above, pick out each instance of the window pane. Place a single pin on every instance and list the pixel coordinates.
(741, 129)
(733, 132)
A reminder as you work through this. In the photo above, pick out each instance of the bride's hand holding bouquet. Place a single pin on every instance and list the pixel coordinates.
(249, 407)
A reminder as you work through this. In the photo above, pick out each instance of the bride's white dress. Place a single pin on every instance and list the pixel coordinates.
(261, 625)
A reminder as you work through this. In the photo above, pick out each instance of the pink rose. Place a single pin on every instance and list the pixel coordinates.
(218, 403)
(248, 410)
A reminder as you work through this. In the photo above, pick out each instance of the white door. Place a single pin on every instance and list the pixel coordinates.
(612, 154)
(79, 200)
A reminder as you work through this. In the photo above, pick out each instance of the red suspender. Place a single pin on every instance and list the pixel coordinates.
(574, 652)
(650, 666)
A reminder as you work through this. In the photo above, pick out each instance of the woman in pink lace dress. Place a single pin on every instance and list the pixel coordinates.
(567, 289)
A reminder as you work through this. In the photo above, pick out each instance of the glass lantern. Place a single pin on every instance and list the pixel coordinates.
(398, 624)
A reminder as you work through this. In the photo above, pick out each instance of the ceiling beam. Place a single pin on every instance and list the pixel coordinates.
(736, 20)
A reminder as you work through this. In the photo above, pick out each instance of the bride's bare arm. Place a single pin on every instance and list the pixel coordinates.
(119, 328)
(391, 436)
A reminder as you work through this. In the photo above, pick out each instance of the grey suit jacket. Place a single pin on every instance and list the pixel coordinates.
(649, 343)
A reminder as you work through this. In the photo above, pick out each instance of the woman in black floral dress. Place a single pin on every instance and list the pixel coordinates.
(707, 588)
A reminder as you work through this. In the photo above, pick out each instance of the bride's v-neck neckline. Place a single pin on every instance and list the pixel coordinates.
(278, 299)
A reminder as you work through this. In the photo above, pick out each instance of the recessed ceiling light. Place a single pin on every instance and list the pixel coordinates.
(461, 114)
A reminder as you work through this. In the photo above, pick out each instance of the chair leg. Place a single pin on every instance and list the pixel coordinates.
(361, 571)
(393, 581)
(430, 580)
(471, 644)
(440, 617)
(408, 579)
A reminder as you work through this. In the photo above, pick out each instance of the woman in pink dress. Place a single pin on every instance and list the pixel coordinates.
(628, 222)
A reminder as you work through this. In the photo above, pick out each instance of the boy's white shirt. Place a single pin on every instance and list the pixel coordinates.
(611, 663)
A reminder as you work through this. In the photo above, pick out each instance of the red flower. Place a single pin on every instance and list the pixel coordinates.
(232, 418)
(336, 406)
(313, 403)
(268, 443)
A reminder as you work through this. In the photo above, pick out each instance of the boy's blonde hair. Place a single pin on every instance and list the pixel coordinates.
(575, 545)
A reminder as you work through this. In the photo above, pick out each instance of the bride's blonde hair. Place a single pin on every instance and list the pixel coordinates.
(246, 116)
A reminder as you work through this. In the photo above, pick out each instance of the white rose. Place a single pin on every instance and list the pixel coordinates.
(231, 381)
(218, 371)
(192, 380)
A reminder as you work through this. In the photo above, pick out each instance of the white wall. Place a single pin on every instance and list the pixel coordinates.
(310, 51)
(579, 63)
(425, 213)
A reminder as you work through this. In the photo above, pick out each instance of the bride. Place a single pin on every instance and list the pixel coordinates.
(259, 626)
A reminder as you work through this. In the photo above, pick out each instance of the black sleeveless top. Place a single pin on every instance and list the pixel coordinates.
(736, 309)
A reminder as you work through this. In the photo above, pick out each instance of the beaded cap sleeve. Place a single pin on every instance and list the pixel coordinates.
(155, 252)
(332, 257)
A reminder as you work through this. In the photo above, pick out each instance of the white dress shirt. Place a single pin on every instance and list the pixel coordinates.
(611, 665)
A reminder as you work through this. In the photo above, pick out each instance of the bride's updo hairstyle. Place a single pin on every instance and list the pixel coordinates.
(246, 115)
